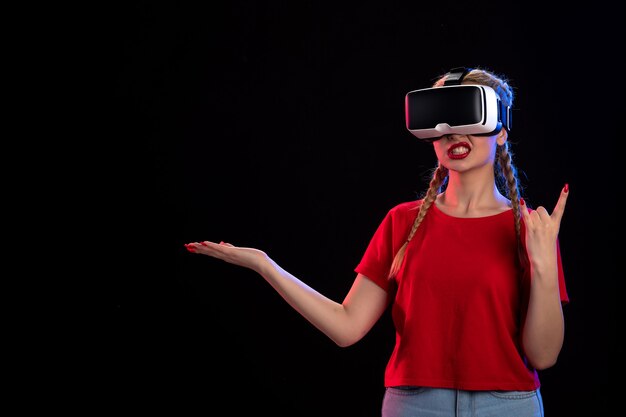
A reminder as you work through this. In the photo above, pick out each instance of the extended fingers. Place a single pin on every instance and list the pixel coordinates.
(524, 209)
(207, 247)
(559, 208)
(196, 247)
(191, 247)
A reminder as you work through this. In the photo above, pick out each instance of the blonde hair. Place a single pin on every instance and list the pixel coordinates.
(504, 169)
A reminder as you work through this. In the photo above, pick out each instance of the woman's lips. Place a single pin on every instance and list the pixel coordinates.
(459, 150)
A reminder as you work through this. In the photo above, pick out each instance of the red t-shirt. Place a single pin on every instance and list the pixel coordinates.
(460, 300)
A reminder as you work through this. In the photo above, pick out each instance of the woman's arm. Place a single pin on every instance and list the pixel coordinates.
(544, 327)
(345, 323)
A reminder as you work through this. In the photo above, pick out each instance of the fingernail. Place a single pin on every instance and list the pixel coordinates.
(566, 188)
(521, 201)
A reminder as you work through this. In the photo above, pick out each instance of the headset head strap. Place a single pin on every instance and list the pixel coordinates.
(456, 75)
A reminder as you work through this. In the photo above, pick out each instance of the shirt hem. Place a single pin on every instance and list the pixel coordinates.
(467, 386)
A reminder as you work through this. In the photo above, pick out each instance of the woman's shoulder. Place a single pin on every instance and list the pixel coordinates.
(406, 207)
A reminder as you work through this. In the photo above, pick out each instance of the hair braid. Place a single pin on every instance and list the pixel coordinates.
(509, 172)
(439, 176)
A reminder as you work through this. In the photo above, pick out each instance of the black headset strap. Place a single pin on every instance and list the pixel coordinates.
(456, 75)
(505, 115)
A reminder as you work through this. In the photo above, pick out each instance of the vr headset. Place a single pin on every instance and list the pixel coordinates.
(455, 108)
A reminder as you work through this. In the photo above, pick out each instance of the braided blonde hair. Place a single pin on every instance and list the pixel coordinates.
(504, 169)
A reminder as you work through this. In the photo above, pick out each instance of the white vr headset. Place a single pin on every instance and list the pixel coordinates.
(455, 108)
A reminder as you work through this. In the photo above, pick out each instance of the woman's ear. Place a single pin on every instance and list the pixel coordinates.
(502, 137)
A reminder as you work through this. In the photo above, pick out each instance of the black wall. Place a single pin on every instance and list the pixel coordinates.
(280, 125)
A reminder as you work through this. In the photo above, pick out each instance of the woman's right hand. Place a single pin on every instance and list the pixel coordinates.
(246, 257)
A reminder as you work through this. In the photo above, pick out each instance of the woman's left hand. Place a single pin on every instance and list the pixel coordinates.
(542, 228)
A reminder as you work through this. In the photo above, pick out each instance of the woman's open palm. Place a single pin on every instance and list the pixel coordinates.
(246, 257)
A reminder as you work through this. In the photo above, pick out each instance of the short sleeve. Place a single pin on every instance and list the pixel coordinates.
(385, 243)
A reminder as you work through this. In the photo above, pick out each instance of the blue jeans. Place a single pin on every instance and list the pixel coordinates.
(438, 402)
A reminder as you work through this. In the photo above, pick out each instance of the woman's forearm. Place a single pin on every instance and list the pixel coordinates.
(345, 323)
(544, 327)
(330, 317)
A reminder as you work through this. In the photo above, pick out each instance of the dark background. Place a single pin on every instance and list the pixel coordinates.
(280, 125)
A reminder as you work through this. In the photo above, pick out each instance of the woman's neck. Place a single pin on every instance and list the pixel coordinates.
(464, 198)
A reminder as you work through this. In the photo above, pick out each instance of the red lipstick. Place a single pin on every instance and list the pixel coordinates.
(454, 151)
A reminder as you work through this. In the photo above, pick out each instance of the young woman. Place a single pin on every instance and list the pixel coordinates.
(473, 275)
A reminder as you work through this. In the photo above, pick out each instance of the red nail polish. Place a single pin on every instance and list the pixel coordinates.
(566, 188)
(521, 201)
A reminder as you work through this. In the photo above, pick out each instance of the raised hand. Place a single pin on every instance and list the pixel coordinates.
(542, 228)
